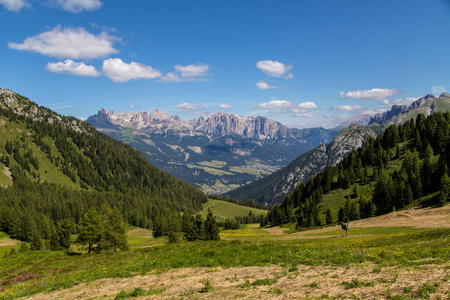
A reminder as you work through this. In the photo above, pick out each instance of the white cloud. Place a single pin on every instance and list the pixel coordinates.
(438, 89)
(307, 105)
(119, 71)
(15, 5)
(284, 107)
(275, 68)
(406, 101)
(262, 85)
(373, 94)
(225, 106)
(374, 111)
(77, 6)
(192, 72)
(274, 104)
(73, 68)
(191, 108)
(350, 108)
(74, 43)
(306, 115)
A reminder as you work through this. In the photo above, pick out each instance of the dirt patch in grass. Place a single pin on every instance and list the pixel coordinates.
(7, 172)
(420, 218)
(274, 282)
(275, 230)
(7, 242)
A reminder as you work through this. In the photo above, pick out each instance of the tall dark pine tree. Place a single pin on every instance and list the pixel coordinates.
(211, 227)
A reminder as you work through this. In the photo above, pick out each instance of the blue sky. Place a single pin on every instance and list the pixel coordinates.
(304, 63)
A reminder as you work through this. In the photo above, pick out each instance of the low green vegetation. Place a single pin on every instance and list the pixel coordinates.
(30, 272)
(224, 210)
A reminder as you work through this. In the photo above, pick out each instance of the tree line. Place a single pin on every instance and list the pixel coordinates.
(421, 146)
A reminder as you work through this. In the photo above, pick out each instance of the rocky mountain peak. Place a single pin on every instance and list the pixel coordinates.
(156, 114)
(429, 96)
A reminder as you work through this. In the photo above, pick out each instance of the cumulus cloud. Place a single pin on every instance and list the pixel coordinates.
(306, 115)
(283, 107)
(438, 89)
(119, 71)
(225, 106)
(350, 108)
(275, 69)
(73, 68)
(77, 6)
(406, 101)
(191, 72)
(374, 111)
(307, 105)
(74, 43)
(274, 104)
(262, 85)
(15, 5)
(191, 108)
(373, 94)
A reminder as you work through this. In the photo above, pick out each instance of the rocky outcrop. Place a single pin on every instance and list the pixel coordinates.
(399, 113)
(217, 124)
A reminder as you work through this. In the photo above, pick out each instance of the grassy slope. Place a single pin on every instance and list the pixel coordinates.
(223, 209)
(47, 170)
(379, 251)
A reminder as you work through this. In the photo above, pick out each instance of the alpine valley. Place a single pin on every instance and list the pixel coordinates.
(216, 153)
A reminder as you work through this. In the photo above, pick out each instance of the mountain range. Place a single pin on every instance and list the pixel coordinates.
(215, 153)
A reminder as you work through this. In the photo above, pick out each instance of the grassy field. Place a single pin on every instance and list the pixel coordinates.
(223, 210)
(403, 255)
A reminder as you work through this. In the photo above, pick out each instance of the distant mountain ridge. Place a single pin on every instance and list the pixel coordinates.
(216, 153)
(400, 113)
(216, 124)
(274, 188)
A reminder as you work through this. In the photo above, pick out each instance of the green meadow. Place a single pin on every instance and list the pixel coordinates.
(384, 250)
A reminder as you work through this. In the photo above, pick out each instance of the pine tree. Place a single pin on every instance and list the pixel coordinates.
(64, 232)
(329, 217)
(115, 233)
(211, 227)
(174, 228)
(90, 229)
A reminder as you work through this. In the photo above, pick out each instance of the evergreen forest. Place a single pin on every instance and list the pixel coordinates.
(65, 176)
(405, 167)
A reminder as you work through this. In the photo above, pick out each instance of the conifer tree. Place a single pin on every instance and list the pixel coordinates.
(329, 217)
(90, 229)
(115, 230)
(211, 227)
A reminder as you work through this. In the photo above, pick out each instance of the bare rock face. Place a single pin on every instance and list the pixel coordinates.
(399, 113)
(217, 124)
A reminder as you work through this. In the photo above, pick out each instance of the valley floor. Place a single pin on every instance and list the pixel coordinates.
(402, 255)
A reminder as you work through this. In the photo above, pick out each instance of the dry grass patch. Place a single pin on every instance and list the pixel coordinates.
(273, 282)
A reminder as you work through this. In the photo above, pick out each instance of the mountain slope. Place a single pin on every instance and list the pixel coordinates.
(215, 153)
(403, 168)
(42, 150)
(275, 187)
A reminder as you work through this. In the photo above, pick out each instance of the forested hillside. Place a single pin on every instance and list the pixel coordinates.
(55, 168)
(406, 166)
(274, 188)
